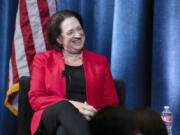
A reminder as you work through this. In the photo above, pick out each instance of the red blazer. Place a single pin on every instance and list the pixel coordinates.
(48, 86)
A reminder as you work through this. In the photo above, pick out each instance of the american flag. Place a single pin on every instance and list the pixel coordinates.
(29, 38)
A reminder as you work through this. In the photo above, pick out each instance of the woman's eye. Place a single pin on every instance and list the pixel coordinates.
(79, 29)
(70, 33)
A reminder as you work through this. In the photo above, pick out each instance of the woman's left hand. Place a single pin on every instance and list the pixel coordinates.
(84, 108)
(88, 111)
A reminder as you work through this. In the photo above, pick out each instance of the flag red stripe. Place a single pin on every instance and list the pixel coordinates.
(44, 16)
(14, 66)
(27, 34)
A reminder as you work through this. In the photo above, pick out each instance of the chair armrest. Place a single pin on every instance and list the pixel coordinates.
(25, 111)
(120, 89)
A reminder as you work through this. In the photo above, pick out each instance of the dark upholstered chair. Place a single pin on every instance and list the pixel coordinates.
(120, 89)
(25, 111)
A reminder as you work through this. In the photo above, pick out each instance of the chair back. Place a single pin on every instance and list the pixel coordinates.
(25, 111)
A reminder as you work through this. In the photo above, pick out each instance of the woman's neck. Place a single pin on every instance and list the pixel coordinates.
(72, 59)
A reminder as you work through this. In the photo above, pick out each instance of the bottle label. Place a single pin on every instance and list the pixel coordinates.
(167, 119)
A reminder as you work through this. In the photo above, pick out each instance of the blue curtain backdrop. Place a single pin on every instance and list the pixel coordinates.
(140, 39)
(166, 58)
(131, 49)
(7, 17)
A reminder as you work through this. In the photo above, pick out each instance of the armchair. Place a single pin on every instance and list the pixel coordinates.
(25, 111)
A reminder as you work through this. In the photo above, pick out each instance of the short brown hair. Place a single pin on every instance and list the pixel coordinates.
(54, 29)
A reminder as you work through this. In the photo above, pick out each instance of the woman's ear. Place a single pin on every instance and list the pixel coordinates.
(59, 40)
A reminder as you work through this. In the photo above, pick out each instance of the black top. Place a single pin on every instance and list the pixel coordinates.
(75, 83)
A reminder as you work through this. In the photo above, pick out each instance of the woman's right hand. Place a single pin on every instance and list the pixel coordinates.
(85, 109)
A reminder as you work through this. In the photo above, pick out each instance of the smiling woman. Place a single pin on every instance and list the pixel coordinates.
(68, 84)
(72, 39)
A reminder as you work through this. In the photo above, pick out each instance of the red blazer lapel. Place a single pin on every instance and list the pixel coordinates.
(91, 80)
(55, 81)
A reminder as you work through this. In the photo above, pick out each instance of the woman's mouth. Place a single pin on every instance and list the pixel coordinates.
(76, 41)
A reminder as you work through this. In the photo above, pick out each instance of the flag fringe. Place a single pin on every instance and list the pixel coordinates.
(12, 90)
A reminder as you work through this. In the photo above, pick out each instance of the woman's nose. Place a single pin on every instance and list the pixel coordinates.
(77, 34)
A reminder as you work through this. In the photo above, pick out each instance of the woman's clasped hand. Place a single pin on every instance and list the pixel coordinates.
(86, 110)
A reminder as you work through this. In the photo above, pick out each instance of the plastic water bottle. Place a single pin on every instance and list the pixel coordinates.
(166, 116)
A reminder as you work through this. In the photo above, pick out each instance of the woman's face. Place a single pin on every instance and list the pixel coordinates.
(72, 35)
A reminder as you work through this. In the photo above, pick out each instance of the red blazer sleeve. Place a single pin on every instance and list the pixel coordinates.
(109, 92)
(38, 97)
